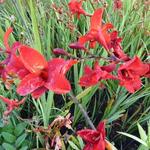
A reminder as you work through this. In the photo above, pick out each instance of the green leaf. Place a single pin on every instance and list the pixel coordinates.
(73, 145)
(8, 137)
(20, 139)
(83, 93)
(37, 43)
(19, 128)
(142, 133)
(8, 128)
(24, 148)
(1, 148)
(80, 142)
(8, 146)
(142, 147)
(134, 138)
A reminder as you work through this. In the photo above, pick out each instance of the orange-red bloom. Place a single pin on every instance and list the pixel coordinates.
(98, 32)
(11, 104)
(95, 139)
(12, 64)
(130, 72)
(43, 75)
(92, 77)
(116, 46)
(75, 7)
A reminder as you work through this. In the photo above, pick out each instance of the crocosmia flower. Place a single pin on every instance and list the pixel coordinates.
(95, 139)
(93, 76)
(12, 64)
(98, 31)
(75, 7)
(115, 44)
(130, 72)
(11, 104)
(43, 75)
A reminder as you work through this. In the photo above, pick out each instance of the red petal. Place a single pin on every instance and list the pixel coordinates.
(32, 59)
(39, 92)
(103, 39)
(90, 79)
(5, 100)
(88, 146)
(87, 70)
(101, 129)
(58, 83)
(109, 68)
(83, 39)
(89, 135)
(99, 145)
(15, 66)
(21, 102)
(92, 44)
(96, 19)
(30, 83)
(136, 66)
(131, 85)
(6, 36)
(15, 46)
(8, 111)
(105, 32)
(107, 26)
(60, 65)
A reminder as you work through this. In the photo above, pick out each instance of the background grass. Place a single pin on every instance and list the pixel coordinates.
(47, 24)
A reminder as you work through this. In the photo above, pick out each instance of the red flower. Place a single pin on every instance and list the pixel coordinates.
(11, 104)
(116, 46)
(12, 64)
(92, 77)
(98, 32)
(95, 139)
(43, 75)
(75, 7)
(130, 72)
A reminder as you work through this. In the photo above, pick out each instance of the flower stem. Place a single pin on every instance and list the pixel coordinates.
(83, 111)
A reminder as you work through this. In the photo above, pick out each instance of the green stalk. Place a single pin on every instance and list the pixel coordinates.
(87, 118)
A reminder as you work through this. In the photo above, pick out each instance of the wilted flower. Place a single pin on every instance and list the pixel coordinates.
(117, 4)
